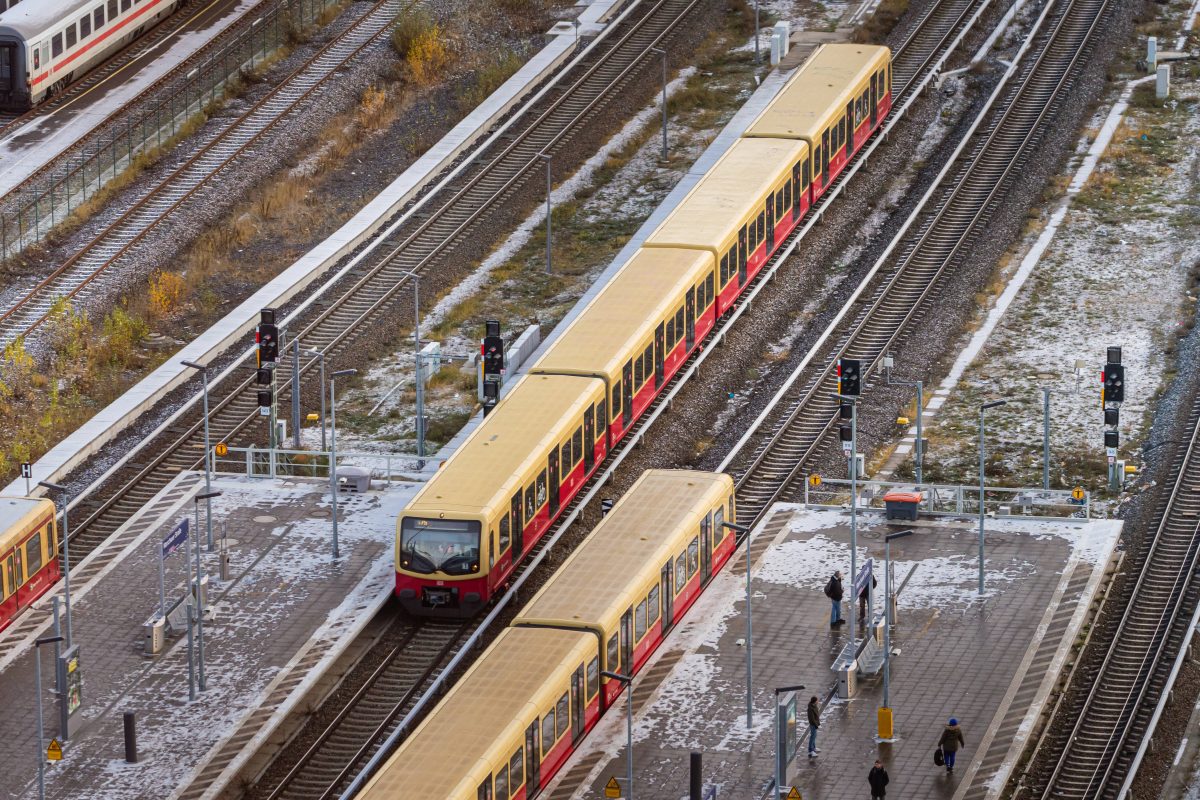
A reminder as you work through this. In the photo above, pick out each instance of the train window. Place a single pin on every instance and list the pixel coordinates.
(652, 606)
(541, 489)
(648, 356)
(693, 557)
(502, 784)
(85, 26)
(126, 5)
(530, 504)
(577, 445)
(70, 36)
(11, 574)
(806, 175)
(616, 399)
(679, 321)
(671, 333)
(762, 225)
(484, 792)
(817, 159)
(639, 621)
(33, 554)
(491, 548)
(680, 574)
(563, 715)
(637, 373)
(614, 651)
(547, 733)
(779, 204)
(787, 195)
(505, 532)
(724, 269)
(601, 419)
(732, 511)
(593, 677)
(516, 769)
(56, 47)
(566, 457)
(708, 289)
(112, 9)
(98, 15)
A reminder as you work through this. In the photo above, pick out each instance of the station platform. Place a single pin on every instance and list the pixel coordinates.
(284, 614)
(25, 151)
(989, 662)
(595, 18)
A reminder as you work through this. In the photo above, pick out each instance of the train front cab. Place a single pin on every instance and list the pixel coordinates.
(14, 91)
(630, 589)
(542, 440)
(638, 331)
(508, 725)
(28, 553)
(741, 210)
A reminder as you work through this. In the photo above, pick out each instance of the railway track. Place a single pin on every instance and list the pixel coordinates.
(82, 274)
(794, 427)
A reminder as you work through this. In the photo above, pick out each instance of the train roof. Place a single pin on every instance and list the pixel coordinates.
(640, 534)
(732, 190)
(531, 419)
(33, 17)
(18, 515)
(830, 79)
(621, 316)
(481, 722)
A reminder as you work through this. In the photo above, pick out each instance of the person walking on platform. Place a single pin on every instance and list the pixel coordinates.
(814, 722)
(952, 739)
(878, 778)
(833, 590)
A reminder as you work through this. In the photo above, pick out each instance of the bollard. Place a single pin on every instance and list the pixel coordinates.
(1162, 83)
(130, 737)
(1151, 53)
(776, 49)
(697, 777)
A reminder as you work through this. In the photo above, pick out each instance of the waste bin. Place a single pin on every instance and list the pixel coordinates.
(353, 479)
(902, 505)
(154, 635)
(847, 677)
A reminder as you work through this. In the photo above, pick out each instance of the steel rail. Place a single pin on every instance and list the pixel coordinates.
(159, 203)
(903, 296)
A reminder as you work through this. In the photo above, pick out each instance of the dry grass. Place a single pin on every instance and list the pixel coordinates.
(428, 56)
(165, 293)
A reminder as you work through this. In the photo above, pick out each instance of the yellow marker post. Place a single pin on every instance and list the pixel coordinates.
(54, 751)
(886, 728)
(612, 788)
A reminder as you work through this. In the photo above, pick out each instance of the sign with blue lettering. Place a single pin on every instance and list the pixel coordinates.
(864, 576)
(176, 538)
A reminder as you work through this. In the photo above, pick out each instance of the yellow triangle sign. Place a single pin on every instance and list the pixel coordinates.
(794, 794)
(54, 751)
(612, 788)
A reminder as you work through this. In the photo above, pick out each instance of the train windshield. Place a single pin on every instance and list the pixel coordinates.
(447, 545)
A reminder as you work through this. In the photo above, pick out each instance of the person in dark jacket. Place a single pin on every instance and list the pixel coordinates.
(952, 739)
(814, 722)
(878, 778)
(863, 597)
(833, 590)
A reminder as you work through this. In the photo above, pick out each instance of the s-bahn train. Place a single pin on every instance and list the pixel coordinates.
(46, 44)
(28, 553)
(510, 723)
(463, 534)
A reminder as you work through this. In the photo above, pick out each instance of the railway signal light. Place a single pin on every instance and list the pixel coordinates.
(1112, 439)
(1111, 417)
(266, 399)
(846, 410)
(267, 337)
(849, 372)
(492, 350)
(1114, 383)
(491, 395)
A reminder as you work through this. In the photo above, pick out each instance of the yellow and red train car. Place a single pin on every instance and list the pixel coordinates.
(511, 722)
(486, 508)
(28, 553)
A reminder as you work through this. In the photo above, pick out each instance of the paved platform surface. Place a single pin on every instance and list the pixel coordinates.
(286, 610)
(990, 663)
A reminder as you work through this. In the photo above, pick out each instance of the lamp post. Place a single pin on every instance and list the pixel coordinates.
(320, 356)
(745, 534)
(919, 448)
(207, 498)
(333, 448)
(549, 230)
(41, 753)
(1046, 438)
(757, 30)
(66, 548)
(982, 411)
(207, 450)
(662, 51)
(886, 710)
(419, 382)
(627, 682)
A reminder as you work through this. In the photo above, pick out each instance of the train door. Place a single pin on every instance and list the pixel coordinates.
(8, 71)
(589, 439)
(824, 157)
(627, 643)
(667, 590)
(849, 129)
(533, 758)
(659, 344)
(553, 481)
(17, 576)
(771, 223)
(797, 188)
(706, 539)
(518, 527)
(484, 792)
(627, 394)
(689, 314)
(743, 256)
(577, 704)
(874, 98)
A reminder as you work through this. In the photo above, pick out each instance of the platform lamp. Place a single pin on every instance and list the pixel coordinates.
(627, 682)
(66, 549)
(744, 532)
(41, 753)
(982, 411)
(341, 373)
(203, 370)
(317, 354)
(207, 497)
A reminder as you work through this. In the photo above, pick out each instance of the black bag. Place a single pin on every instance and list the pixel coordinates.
(829, 588)
(939, 760)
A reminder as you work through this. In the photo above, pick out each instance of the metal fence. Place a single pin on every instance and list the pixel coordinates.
(50, 196)
(956, 500)
(262, 462)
